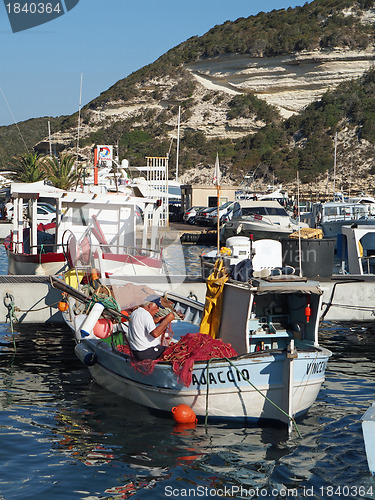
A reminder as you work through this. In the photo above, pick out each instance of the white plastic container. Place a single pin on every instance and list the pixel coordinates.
(89, 323)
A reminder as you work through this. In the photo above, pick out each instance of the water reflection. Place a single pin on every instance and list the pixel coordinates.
(65, 437)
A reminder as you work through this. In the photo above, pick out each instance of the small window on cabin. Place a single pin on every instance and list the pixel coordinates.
(277, 211)
(254, 210)
(80, 216)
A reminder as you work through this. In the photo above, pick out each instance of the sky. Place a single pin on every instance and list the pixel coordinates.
(102, 40)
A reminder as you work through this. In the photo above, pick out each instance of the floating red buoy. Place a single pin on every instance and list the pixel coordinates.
(183, 414)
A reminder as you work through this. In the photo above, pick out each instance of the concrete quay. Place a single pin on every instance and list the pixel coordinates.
(35, 300)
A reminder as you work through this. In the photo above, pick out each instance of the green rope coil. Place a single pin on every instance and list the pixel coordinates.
(108, 302)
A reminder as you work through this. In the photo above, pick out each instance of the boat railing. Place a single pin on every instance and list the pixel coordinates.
(368, 263)
(345, 214)
(128, 250)
(41, 248)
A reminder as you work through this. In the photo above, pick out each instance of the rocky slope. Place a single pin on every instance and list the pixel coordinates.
(287, 59)
(287, 82)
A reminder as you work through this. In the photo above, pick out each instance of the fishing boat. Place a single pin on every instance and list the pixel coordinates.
(272, 367)
(331, 216)
(89, 231)
(263, 219)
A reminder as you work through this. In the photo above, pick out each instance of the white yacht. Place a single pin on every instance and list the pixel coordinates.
(263, 219)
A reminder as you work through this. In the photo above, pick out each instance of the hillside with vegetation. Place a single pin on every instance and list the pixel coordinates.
(139, 113)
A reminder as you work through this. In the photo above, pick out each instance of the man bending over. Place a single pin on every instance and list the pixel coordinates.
(145, 332)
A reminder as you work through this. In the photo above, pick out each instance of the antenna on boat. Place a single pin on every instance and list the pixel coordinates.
(299, 230)
(217, 183)
(178, 141)
(334, 168)
(49, 139)
(79, 117)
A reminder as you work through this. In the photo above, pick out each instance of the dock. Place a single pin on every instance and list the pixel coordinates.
(32, 299)
(28, 299)
(200, 235)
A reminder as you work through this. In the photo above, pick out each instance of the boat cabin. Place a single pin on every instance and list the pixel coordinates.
(270, 314)
(359, 245)
(262, 209)
(86, 221)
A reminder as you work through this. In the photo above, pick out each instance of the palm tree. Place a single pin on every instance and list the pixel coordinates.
(27, 168)
(60, 171)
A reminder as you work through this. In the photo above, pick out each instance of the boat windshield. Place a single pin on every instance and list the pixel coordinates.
(248, 211)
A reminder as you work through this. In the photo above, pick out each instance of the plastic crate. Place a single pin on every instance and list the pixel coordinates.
(308, 233)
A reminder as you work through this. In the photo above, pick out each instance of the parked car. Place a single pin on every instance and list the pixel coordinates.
(44, 215)
(175, 213)
(190, 214)
(208, 216)
(204, 217)
(138, 215)
(47, 206)
(227, 212)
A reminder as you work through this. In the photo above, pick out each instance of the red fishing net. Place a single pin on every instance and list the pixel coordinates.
(182, 355)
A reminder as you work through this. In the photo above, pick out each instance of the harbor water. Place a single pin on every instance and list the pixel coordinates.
(64, 437)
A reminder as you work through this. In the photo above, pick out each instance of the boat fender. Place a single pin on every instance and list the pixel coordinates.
(92, 317)
(90, 359)
(103, 328)
(239, 228)
(85, 354)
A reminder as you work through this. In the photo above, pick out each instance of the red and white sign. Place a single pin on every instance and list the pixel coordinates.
(105, 155)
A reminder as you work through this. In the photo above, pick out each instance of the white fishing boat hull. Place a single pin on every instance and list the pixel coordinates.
(43, 264)
(272, 325)
(331, 229)
(230, 395)
(368, 429)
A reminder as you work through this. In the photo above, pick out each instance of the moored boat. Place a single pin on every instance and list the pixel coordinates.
(89, 230)
(263, 219)
(275, 373)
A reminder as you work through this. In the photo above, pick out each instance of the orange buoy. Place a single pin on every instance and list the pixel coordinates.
(183, 414)
(94, 274)
(63, 306)
(126, 314)
(103, 328)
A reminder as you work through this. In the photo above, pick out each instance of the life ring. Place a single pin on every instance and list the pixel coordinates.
(239, 228)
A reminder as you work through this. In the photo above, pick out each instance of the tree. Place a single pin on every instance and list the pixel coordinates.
(27, 168)
(60, 171)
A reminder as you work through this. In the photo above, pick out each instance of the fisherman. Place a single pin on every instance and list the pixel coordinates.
(145, 332)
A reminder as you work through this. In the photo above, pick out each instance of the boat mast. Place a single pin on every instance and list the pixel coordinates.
(334, 168)
(79, 118)
(299, 230)
(49, 139)
(178, 141)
